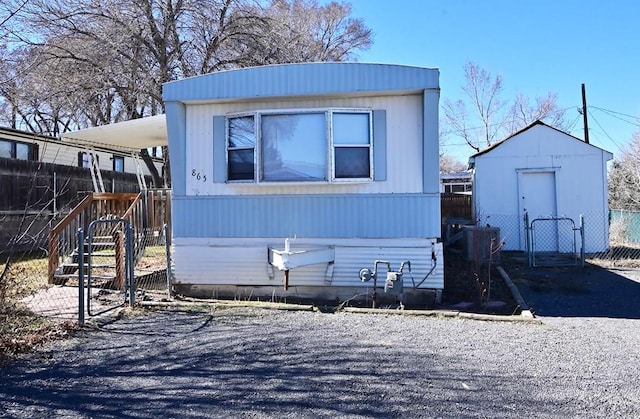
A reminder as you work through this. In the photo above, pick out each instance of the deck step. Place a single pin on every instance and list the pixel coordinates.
(86, 265)
(100, 244)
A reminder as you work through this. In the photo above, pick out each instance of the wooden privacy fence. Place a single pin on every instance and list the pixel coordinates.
(39, 186)
(34, 194)
(456, 206)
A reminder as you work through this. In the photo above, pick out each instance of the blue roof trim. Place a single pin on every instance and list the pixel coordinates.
(303, 79)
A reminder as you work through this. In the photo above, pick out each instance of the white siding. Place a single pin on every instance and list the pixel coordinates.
(580, 176)
(404, 146)
(245, 262)
(68, 155)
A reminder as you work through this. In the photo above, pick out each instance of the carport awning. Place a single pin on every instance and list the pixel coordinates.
(129, 135)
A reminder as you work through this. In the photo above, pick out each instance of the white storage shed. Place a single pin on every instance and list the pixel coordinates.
(552, 176)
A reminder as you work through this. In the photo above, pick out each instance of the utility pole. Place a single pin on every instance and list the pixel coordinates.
(584, 115)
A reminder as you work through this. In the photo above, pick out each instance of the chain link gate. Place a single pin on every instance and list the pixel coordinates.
(553, 241)
(105, 266)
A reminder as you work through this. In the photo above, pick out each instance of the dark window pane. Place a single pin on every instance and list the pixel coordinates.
(241, 165)
(352, 162)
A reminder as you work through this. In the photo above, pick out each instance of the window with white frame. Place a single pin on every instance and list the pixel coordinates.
(325, 145)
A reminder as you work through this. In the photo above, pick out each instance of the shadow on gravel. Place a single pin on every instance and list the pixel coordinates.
(198, 365)
(591, 291)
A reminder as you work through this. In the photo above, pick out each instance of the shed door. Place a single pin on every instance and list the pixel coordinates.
(538, 198)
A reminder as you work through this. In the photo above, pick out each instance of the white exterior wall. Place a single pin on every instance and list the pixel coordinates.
(244, 262)
(404, 146)
(580, 184)
(65, 154)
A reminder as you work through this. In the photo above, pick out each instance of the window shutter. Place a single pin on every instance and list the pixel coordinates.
(219, 149)
(380, 144)
(34, 152)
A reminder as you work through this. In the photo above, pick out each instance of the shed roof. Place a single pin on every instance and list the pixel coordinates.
(538, 122)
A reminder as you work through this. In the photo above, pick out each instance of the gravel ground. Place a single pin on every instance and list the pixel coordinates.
(247, 362)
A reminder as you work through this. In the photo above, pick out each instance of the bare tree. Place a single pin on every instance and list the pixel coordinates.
(523, 112)
(483, 117)
(304, 31)
(624, 177)
(449, 164)
(483, 96)
(103, 62)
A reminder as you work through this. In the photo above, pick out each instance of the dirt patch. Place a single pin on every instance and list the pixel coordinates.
(476, 288)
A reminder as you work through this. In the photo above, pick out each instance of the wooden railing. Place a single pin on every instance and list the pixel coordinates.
(147, 212)
(63, 237)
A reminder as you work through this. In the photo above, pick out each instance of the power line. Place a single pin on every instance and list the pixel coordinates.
(603, 130)
(615, 112)
(617, 115)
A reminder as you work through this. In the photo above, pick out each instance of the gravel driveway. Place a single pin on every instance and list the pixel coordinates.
(247, 362)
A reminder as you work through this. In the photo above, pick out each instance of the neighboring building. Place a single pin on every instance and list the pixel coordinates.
(456, 182)
(23, 145)
(42, 178)
(288, 179)
(547, 174)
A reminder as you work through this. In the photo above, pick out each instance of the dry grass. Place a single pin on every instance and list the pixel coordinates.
(20, 329)
(24, 277)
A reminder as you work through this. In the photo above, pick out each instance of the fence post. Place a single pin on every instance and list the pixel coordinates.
(527, 233)
(130, 260)
(582, 241)
(167, 249)
(80, 277)
(118, 238)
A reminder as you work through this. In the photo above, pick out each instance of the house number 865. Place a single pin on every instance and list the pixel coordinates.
(198, 175)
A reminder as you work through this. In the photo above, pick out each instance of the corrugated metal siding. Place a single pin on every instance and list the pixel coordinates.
(404, 146)
(221, 265)
(301, 79)
(362, 216)
(248, 266)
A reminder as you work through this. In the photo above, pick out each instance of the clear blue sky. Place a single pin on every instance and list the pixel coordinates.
(537, 46)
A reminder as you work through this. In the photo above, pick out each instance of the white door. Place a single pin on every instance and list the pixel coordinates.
(538, 199)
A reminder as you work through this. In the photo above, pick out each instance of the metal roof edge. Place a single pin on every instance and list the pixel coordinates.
(537, 122)
(301, 79)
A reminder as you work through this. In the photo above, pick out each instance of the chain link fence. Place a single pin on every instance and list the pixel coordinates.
(624, 241)
(610, 239)
(31, 289)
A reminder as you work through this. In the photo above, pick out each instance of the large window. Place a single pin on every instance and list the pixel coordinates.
(302, 146)
(17, 150)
